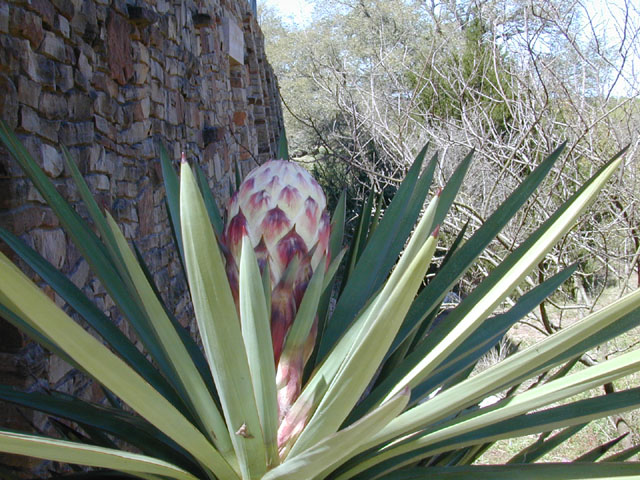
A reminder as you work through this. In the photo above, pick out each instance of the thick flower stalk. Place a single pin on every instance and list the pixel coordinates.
(282, 209)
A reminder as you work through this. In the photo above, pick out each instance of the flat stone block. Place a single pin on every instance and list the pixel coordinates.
(53, 106)
(51, 244)
(28, 25)
(62, 26)
(29, 120)
(104, 127)
(79, 106)
(45, 71)
(233, 40)
(64, 77)
(138, 132)
(140, 73)
(28, 91)
(53, 47)
(52, 162)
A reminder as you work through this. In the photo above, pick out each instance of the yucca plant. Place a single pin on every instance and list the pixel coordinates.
(290, 384)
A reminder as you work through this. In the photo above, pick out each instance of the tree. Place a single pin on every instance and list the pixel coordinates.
(374, 80)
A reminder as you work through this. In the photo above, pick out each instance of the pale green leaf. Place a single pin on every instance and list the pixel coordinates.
(199, 397)
(77, 453)
(419, 236)
(380, 253)
(367, 350)
(35, 307)
(256, 333)
(283, 146)
(547, 471)
(333, 269)
(306, 313)
(316, 386)
(511, 370)
(516, 406)
(544, 420)
(333, 450)
(498, 286)
(543, 395)
(219, 328)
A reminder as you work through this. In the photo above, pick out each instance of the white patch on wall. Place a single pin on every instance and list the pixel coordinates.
(233, 40)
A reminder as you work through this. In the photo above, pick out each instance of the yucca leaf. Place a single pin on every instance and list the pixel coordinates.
(575, 413)
(544, 445)
(328, 369)
(596, 453)
(420, 234)
(331, 451)
(329, 277)
(362, 234)
(361, 230)
(35, 307)
(78, 453)
(504, 278)
(73, 435)
(399, 350)
(389, 238)
(132, 429)
(256, 333)
(172, 197)
(114, 245)
(8, 312)
(451, 188)
(518, 405)
(266, 287)
(624, 455)
(93, 209)
(478, 343)
(367, 350)
(431, 296)
(283, 146)
(426, 324)
(337, 225)
(92, 315)
(335, 246)
(523, 364)
(209, 201)
(111, 399)
(306, 313)
(471, 454)
(220, 328)
(238, 175)
(192, 383)
(548, 471)
(568, 366)
(190, 344)
(92, 250)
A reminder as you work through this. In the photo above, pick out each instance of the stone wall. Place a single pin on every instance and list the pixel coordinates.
(110, 79)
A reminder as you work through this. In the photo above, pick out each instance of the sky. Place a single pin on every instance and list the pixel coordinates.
(606, 14)
(297, 12)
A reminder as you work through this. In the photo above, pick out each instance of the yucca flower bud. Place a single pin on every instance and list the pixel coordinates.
(282, 209)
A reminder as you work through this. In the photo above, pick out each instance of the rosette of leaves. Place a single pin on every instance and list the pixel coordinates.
(386, 392)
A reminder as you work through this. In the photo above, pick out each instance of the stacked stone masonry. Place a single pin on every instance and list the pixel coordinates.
(111, 80)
